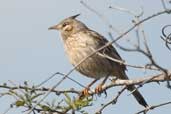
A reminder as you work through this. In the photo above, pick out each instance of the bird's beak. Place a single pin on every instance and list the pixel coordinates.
(55, 27)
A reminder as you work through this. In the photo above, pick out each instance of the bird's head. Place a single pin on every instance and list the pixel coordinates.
(69, 26)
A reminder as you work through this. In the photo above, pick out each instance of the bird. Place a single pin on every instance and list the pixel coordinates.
(80, 41)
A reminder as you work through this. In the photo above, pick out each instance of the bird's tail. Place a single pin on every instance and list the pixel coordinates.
(138, 96)
(134, 91)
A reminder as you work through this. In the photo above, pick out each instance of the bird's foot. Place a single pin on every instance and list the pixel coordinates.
(99, 89)
(85, 92)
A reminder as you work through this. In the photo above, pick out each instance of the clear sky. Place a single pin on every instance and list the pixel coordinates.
(28, 51)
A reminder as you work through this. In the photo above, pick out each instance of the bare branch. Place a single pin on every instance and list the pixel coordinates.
(152, 107)
(58, 92)
(126, 64)
(128, 11)
(113, 101)
(99, 15)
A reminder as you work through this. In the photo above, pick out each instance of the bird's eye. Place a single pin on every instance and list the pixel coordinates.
(66, 23)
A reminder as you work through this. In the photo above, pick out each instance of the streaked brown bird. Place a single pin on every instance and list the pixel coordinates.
(80, 41)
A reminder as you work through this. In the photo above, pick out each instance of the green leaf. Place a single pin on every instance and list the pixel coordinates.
(68, 99)
(45, 108)
(19, 103)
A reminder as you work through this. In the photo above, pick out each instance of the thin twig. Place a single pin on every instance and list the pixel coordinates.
(127, 11)
(163, 4)
(58, 92)
(113, 101)
(62, 74)
(152, 107)
(99, 15)
(126, 64)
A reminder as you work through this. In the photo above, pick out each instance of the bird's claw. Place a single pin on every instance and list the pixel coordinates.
(85, 92)
(99, 89)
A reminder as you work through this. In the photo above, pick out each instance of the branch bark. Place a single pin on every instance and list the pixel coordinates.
(144, 80)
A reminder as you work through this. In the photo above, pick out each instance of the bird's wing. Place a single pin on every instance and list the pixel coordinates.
(109, 50)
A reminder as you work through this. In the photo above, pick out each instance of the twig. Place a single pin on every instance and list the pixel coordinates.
(49, 91)
(127, 11)
(38, 89)
(62, 74)
(113, 101)
(163, 4)
(156, 78)
(126, 64)
(153, 107)
(99, 15)
(51, 111)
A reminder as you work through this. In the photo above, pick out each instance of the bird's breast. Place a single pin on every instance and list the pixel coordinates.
(94, 66)
(76, 50)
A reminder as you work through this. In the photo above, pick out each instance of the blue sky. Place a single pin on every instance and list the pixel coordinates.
(30, 52)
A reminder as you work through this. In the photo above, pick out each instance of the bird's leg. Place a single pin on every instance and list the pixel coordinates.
(85, 92)
(99, 88)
